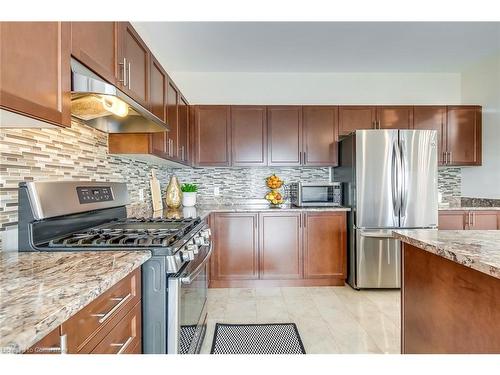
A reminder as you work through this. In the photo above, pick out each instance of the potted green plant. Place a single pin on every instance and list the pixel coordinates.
(189, 194)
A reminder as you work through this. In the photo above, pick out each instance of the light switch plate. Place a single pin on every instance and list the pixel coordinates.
(216, 191)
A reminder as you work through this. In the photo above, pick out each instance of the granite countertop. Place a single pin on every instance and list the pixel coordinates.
(469, 208)
(39, 291)
(476, 249)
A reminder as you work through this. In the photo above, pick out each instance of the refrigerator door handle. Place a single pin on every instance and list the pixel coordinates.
(396, 179)
(404, 188)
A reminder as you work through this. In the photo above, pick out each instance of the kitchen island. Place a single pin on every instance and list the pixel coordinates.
(41, 290)
(450, 300)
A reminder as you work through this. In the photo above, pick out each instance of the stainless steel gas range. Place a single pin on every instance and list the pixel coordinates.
(91, 216)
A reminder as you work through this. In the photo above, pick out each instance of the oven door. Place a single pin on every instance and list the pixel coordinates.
(187, 297)
(317, 195)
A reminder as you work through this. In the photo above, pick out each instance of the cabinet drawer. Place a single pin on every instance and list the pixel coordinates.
(125, 337)
(89, 326)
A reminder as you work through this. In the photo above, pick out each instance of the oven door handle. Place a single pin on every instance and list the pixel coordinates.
(193, 275)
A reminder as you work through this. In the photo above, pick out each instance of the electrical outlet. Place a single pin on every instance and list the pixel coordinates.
(141, 195)
(216, 191)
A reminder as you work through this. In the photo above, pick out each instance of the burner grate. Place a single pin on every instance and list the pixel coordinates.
(132, 232)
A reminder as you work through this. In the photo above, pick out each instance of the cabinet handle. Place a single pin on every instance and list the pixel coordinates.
(450, 160)
(300, 157)
(124, 345)
(124, 80)
(121, 300)
(62, 348)
(129, 81)
(305, 157)
(473, 218)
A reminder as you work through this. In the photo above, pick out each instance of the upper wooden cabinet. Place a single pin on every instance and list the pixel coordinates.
(133, 59)
(158, 90)
(463, 140)
(280, 245)
(212, 136)
(320, 127)
(236, 252)
(248, 135)
(284, 128)
(94, 44)
(353, 118)
(183, 129)
(172, 121)
(432, 118)
(35, 70)
(394, 117)
(325, 242)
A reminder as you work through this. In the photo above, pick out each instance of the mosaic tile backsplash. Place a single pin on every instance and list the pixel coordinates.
(80, 153)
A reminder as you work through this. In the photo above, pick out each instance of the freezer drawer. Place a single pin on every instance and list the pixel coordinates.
(378, 259)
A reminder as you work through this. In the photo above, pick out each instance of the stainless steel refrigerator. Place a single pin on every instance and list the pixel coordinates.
(389, 181)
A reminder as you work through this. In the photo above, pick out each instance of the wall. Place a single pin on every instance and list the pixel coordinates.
(77, 153)
(244, 183)
(319, 88)
(481, 85)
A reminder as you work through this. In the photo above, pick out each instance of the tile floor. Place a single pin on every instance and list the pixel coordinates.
(329, 319)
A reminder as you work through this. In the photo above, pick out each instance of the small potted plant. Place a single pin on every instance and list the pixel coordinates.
(189, 194)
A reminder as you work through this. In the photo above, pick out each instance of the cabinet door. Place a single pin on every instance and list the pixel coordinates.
(212, 136)
(236, 246)
(452, 220)
(484, 220)
(325, 248)
(94, 44)
(183, 121)
(280, 245)
(35, 70)
(464, 135)
(134, 57)
(158, 90)
(320, 127)
(248, 135)
(172, 120)
(353, 118)
(284, 135)
(432, 118)
(395, 117)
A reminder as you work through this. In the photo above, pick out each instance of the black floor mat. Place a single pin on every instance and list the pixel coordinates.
(274, 338)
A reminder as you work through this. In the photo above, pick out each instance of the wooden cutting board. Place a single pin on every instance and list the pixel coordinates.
(155, 192)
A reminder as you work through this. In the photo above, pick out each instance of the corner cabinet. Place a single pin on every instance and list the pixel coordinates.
(35, 70)
(281, 248)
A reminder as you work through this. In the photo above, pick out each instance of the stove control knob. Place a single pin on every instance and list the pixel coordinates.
(187, 255)
(199, 241)
(205, 233)
(193, 248)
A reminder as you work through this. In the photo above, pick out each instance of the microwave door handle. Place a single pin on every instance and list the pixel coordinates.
(193, 275)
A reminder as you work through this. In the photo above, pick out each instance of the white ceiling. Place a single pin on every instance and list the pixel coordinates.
(319, 46)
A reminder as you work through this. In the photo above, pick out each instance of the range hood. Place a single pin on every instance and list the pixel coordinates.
(103, 106)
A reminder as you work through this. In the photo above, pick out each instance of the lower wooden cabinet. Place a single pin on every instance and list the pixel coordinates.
(469, 220)
(280, 240)
(236, 246)
(325, 236)
(279, 248)
(111, 324)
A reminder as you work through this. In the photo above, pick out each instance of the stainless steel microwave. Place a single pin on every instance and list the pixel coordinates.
(316, 194)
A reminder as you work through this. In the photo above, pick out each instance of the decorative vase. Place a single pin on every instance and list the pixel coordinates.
(188, 199)
(173, 193)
